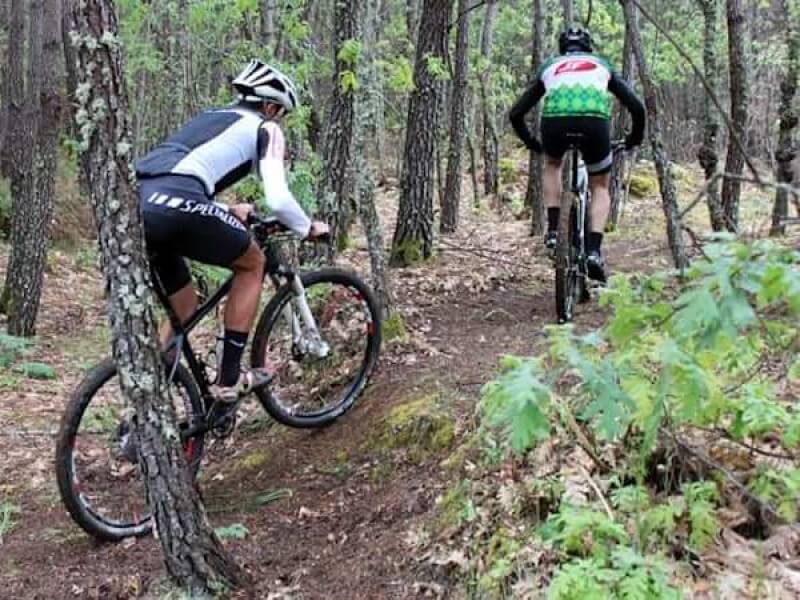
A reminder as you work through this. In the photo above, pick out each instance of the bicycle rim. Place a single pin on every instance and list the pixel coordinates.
(97, 462)
(314, 383)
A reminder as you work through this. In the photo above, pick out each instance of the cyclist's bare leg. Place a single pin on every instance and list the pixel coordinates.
(601, 201)
(242, 304)
(551, 182)
(184, 303)
(240, 313)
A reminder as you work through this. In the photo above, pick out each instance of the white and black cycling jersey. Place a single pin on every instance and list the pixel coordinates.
(219, 147)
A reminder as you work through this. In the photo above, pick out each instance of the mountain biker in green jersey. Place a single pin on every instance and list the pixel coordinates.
(575, 86)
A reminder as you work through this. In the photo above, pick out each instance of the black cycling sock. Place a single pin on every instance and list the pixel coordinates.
(594, 241)
(232, 349)
(552, 218)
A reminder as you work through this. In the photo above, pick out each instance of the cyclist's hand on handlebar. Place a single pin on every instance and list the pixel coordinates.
(319, 231)
(242, 211)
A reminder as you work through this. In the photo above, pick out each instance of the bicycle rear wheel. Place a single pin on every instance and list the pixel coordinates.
(315, 382)
(96, 456)
(566, 280)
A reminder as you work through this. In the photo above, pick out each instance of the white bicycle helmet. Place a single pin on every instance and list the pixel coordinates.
(259, 81)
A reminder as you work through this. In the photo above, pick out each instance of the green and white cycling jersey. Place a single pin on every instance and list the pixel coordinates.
(576, 86)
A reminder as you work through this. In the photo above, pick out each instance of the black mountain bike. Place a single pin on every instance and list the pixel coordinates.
(319, 337)
(572, 282)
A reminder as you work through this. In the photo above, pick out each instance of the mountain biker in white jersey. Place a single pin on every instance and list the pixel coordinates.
(178, 180)
(576, 86)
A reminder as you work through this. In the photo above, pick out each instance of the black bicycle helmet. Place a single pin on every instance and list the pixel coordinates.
(575, 39)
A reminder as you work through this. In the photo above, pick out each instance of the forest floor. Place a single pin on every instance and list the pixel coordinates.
(347, 511)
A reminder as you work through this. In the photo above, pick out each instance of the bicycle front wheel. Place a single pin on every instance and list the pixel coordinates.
(97, 465)
(316, 379)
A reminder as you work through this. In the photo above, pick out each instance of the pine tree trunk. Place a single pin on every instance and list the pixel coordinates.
(14, 99)
(31, 217)
(737, 43)
(666, 181)
(22, 288)
(194, 556)
(622, 122)
(268, 10)
(534, 196)
(365, 178)
(4, 32)
(707, 154)
(413, 236)
(786, 151)
(455, 156)
(569, 12)
(336, 182)
(412, 18)
(489, 141)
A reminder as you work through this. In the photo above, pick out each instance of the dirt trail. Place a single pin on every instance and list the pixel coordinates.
(343, 531)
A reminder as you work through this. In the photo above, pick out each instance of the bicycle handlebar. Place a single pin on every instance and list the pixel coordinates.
(269, 226)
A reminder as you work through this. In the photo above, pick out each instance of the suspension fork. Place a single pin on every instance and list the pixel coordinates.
(305, 333)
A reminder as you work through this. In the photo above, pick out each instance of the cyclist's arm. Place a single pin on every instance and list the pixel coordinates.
(279, 198)
(630, 100)
(521, 108)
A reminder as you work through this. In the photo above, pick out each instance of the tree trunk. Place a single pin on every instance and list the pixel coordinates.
(193, 554)
(365, 178)
(31, 217)
(189, 90)
(489, 141)
(666, 181)
(455, 156)
(737, 43)
(786, 151)
(413, 236)
(534, 196)
(336, 183)
(707, 154)
(569, 12)
(14, 99)
(268, 31)
(412, 18)
(4, 33)
(622, 122)
(22, 288)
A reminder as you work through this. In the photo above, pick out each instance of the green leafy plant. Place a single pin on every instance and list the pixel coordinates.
(235, 531)
(7, 510)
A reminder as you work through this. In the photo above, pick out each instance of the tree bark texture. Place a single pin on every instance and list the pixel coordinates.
(569, 12)
(666, 180)
(412, 18)
(14, 99)
(21, 293)
(786, 151)
(455, 163)
(194, 556)
(4, 31)
(489, 141)
(413, 236)
(534, 195)
(737, 45)
(707, 154)
(31, 215)
(365, 178)
(268, 30)
(622, 122)
(336, 182)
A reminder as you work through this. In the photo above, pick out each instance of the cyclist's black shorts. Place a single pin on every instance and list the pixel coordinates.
(181, 220)
(594, 143)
